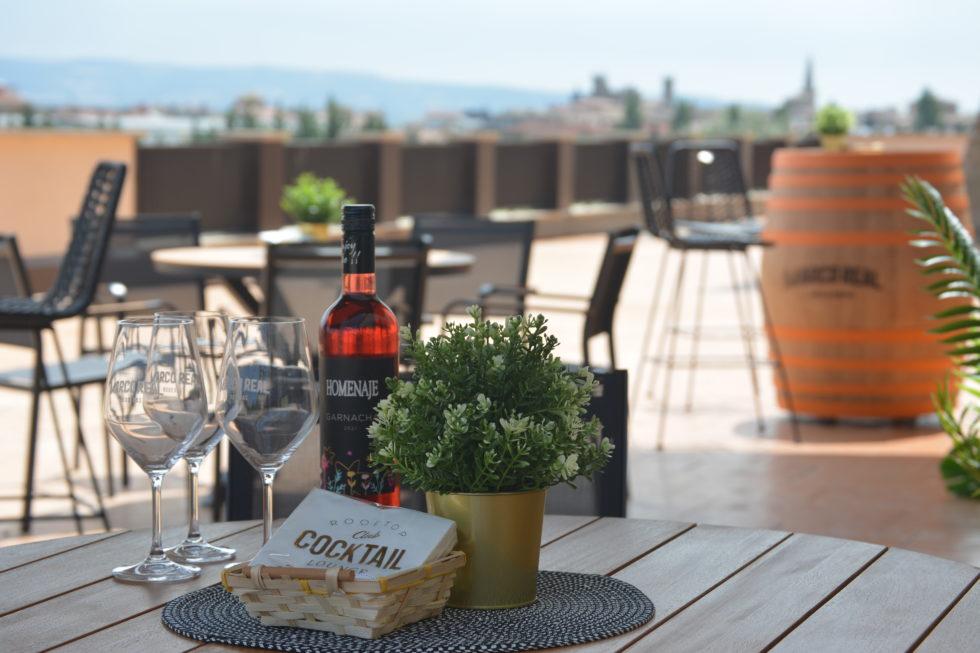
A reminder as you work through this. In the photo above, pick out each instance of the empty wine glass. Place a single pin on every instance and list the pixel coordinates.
(267, 400)
(155, 406)
(210, 330)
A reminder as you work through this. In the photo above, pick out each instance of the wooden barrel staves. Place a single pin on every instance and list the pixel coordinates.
(847, 300)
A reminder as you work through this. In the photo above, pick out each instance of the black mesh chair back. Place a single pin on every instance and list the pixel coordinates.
(609, 284)
(705, 180)
(303, 279)
(128, 259)
(655, 201)
(502, 253)
(78, 275)
(13, 283)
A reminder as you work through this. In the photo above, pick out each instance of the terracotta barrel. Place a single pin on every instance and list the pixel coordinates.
(847, 301)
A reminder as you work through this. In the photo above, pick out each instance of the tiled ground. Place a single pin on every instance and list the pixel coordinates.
(869, 482)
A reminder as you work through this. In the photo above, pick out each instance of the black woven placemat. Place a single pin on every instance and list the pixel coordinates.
(571, 609)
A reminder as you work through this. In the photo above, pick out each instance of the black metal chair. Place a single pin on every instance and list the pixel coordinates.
(502, 252)
(599, 308)
(303, 279)
(72, 292)
(605, 494)
(706, 186)
(680, 237)
(129, 276)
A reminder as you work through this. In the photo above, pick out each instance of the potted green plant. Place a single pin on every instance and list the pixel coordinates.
(490, 420)
(953, 265)
(833, 123)
(314, 203)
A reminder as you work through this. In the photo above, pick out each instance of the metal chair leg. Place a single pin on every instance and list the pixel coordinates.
(218, 489)
(648, 333)
(658, 354)
(76, 403)
(775, 348)
(670, 324)
(612, 351)
(696, 335)
(63, 454)
(25, 520)
(747, 338)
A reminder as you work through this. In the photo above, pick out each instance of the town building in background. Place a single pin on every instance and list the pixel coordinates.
(602, 111)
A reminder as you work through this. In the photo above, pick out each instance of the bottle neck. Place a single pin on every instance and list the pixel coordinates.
(358, 256)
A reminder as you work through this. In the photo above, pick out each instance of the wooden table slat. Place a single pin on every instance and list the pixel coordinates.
(887, 608)
(759, 604)
(960, 628)
(88, 564)
(22, 554)
(558, 526)
(605, 545)
(680, 571)
(89, 609)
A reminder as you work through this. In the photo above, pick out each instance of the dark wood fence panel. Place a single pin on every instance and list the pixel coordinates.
(602, 172)
(236, 185)
(353, 165)
(527, 175)
(438, 178)
(219, 181)
(761, 158)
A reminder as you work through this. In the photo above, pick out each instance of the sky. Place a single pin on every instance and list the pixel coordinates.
(866, 54)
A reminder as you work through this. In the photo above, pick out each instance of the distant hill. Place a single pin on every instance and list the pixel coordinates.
(111, 83)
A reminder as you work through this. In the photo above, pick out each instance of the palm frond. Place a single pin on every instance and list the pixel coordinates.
(960, 270)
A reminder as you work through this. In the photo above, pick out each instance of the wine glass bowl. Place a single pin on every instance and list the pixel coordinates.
(267, 399)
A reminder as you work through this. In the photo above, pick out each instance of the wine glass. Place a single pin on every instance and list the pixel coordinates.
(267, 401)
(155, 406)
(210, 330)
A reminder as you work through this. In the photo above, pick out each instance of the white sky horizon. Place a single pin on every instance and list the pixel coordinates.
(871, 54)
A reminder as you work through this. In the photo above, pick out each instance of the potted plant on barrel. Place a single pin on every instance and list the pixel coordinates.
(314, 203)
(833, 123)
(490, 420)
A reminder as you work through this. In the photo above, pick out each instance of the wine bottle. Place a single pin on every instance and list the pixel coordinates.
(358, 351)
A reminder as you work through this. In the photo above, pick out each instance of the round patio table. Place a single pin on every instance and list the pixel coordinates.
(715, 588)
(236, 262)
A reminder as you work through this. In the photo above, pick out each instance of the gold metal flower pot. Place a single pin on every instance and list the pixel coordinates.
(501, 536)
(834, 142)
(319, 231)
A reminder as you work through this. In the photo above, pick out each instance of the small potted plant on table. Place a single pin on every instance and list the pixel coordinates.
(490, 420)
(833, 123)
(315, 204)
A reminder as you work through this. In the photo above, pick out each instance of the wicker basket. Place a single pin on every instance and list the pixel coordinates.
(332, 600)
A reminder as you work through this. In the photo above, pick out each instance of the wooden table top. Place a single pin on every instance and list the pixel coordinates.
(715, 588)
(249, 260)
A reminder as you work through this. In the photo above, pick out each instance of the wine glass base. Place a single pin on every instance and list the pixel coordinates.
(156, 570)
(199, 553)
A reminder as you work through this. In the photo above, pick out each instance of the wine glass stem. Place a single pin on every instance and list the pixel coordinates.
(267, 478)
(156, 484)
(194, 530)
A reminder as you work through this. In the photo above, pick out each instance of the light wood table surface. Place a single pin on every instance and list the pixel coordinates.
(715, 589)
(235, 262)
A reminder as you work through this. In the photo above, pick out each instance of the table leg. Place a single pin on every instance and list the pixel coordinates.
(243, 294)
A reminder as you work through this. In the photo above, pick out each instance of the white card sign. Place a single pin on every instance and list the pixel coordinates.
(331, 530)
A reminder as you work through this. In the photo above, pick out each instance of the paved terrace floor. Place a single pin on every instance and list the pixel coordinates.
(877, 483)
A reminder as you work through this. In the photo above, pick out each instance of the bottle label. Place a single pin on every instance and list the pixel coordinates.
(350, 388)
(358, 252)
